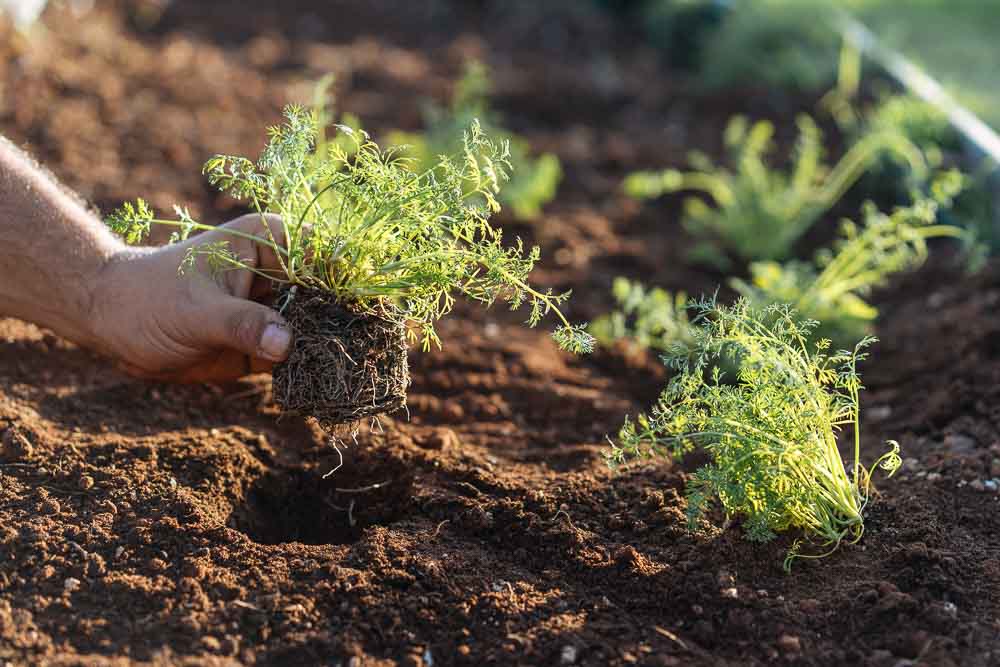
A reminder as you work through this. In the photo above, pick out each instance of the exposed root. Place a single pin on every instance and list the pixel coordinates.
(344, 365)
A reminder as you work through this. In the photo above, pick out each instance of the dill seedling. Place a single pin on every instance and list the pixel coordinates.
(832, 289)
(890, 178)
(760, 212)
(361, 226)
(920, 122)
(653, 318)
(973, 208)
(771, 435)
(534, 181)
(362, 230)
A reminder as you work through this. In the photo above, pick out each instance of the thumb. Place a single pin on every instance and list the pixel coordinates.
(254, 329)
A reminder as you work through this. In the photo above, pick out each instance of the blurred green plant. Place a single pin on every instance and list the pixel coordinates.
(920, 122)
(832, 289)
(951, 41)
(977, 210)
(534, 181)
(760, 212)
(974, 208)
(785, 44)
(771, 435)
(651, 317)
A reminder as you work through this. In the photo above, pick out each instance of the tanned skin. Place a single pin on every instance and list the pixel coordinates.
(62, 269)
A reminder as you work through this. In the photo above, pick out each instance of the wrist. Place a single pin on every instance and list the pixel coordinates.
(53, 252)
(103, 295)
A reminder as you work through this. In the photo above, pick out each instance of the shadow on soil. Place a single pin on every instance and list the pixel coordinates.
(299, 505)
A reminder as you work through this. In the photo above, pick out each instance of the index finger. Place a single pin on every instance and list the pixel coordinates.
(267, 226)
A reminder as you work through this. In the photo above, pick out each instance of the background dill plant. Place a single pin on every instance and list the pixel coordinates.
(759, 212)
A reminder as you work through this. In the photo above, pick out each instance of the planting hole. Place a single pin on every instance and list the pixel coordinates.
(298, 505)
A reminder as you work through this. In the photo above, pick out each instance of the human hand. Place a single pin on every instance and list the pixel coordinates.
(192, 326)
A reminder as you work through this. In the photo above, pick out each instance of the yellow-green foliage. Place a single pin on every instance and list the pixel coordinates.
(758, 211)
(922, 123)
(652, 318)
(359, 224)
(534, 180)
(832, 289)
(975, 207)
(771, 434)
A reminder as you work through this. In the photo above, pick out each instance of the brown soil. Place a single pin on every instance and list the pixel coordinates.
(190, 525)
(344, 365)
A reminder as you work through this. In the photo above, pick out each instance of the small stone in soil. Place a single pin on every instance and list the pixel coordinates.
(959, 443)
(211, 643)
(789, 644)
(71, 584)
(879, 412)
(15, 446)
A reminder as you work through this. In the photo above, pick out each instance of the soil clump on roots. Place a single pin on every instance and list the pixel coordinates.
(345, 364)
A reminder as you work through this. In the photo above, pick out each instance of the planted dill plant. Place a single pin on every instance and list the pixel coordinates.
(893, 179)
(832, 289)
(921, 122)
(974, 208)
(771, 435)
(534, 180)
(372, 254)
(759, 212)
(652, 318)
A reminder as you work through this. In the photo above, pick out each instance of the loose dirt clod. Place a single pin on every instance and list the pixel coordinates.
(343, 365)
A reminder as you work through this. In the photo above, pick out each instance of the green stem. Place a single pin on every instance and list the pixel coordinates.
(208, 228)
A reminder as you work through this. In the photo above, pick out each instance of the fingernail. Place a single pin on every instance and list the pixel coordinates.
(275, 341)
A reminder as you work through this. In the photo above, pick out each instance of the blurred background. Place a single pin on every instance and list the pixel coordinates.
(127, 97)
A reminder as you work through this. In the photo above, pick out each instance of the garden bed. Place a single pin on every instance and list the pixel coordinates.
(167, 523)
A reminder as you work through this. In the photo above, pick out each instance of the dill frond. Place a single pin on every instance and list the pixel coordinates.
(759, 212)
(771, 434)
(533, 181)
(832, 289)
(360, 224)
(651, 317)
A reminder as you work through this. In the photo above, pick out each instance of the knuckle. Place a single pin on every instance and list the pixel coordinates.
(246, 329)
